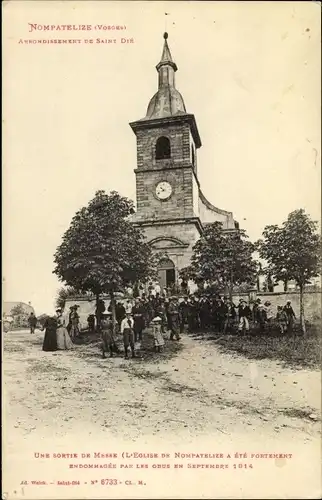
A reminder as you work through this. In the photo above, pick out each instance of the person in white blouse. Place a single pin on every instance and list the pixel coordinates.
(127, 330)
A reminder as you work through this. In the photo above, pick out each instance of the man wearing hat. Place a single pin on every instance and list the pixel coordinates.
(184, 313)
(281, 318)
(127, 329)
(138, 316)
(32, 321)
(69, 325)
(108, 341)
(100, 309)
(173, 311)
(255, 310)
(290, 315)
(244, 314)
(74, 319)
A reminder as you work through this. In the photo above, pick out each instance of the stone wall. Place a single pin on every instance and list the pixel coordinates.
(179, 204)
(312, 304)
(208, 213)
(179, 136)
(312, 301)
(187, 233)
(86, 307)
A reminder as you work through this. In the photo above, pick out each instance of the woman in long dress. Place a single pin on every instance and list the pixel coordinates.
(63, 339)
(50, 338)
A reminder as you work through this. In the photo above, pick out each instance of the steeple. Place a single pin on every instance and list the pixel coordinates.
(167, 101)
(166, 67)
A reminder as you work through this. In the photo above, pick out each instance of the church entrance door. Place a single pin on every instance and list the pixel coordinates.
(167, 273)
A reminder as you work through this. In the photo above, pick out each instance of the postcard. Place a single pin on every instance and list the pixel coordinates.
(161, 250)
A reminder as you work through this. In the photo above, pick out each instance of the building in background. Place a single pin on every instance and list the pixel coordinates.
(17, 312)
(171, 207)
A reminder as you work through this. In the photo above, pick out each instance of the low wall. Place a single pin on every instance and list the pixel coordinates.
(86, 307)
(312, 304)
(312, 301)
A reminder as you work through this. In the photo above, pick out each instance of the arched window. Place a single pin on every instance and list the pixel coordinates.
(192, 155)
(162, 148)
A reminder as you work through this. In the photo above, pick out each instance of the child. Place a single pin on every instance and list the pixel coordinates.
(282, 319)
(157, 333)
(91, 323)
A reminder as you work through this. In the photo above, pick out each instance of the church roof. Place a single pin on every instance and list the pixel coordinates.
(166, 54)
(167, 101)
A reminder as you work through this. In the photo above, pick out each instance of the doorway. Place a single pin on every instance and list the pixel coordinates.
(167, 273)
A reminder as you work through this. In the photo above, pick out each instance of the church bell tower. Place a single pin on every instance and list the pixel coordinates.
(167, 187)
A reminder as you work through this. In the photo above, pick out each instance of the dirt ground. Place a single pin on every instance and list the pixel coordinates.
(191, 391)
(193, 385)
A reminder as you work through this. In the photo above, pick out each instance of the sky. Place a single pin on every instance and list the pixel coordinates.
(248, 71)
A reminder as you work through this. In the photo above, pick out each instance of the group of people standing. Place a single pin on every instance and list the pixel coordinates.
(164, 316)
(58, 335)
(130, 321)
(174, 316)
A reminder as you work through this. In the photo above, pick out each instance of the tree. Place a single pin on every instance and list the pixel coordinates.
(63, 294)
(19, 315)
(17, 310)
(222, 258)
(102, 251)
(292, 252)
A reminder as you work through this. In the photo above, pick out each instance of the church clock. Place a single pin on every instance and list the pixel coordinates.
(163, 190)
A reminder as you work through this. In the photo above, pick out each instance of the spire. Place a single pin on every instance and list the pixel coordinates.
(166, 67)
(166, 54)
(167, 101)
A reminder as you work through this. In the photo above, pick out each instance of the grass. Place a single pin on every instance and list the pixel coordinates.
(292, 349)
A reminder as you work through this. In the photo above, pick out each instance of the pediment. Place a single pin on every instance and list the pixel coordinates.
(164, 243)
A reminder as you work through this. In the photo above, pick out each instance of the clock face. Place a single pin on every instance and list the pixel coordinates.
(163, 190)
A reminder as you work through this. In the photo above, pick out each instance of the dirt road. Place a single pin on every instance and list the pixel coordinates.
(191, 393)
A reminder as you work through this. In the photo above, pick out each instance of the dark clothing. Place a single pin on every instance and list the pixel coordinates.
(289, 311)
(230, 315)
(255, 312)
(173, 312)
(100, 309)
(183, 314)
(119, 313)
(108, 343)
(32, 320)
(290, 316)
(69, 325)
(50, 339)
(204, 313)
(184, 287)
(128, 336)
(220, 315)
(244, 312)
(91, 322)
(261, 317)
(193, 316)
(139, 323)
(161, 311)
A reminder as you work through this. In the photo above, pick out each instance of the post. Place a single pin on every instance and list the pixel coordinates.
(252, 293)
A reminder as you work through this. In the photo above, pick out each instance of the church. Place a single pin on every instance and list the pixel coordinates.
(171, 208)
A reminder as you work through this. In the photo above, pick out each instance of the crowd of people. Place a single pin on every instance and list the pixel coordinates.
(190, 313)
(166, 316)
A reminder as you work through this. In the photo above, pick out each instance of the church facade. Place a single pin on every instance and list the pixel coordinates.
(171, 208)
